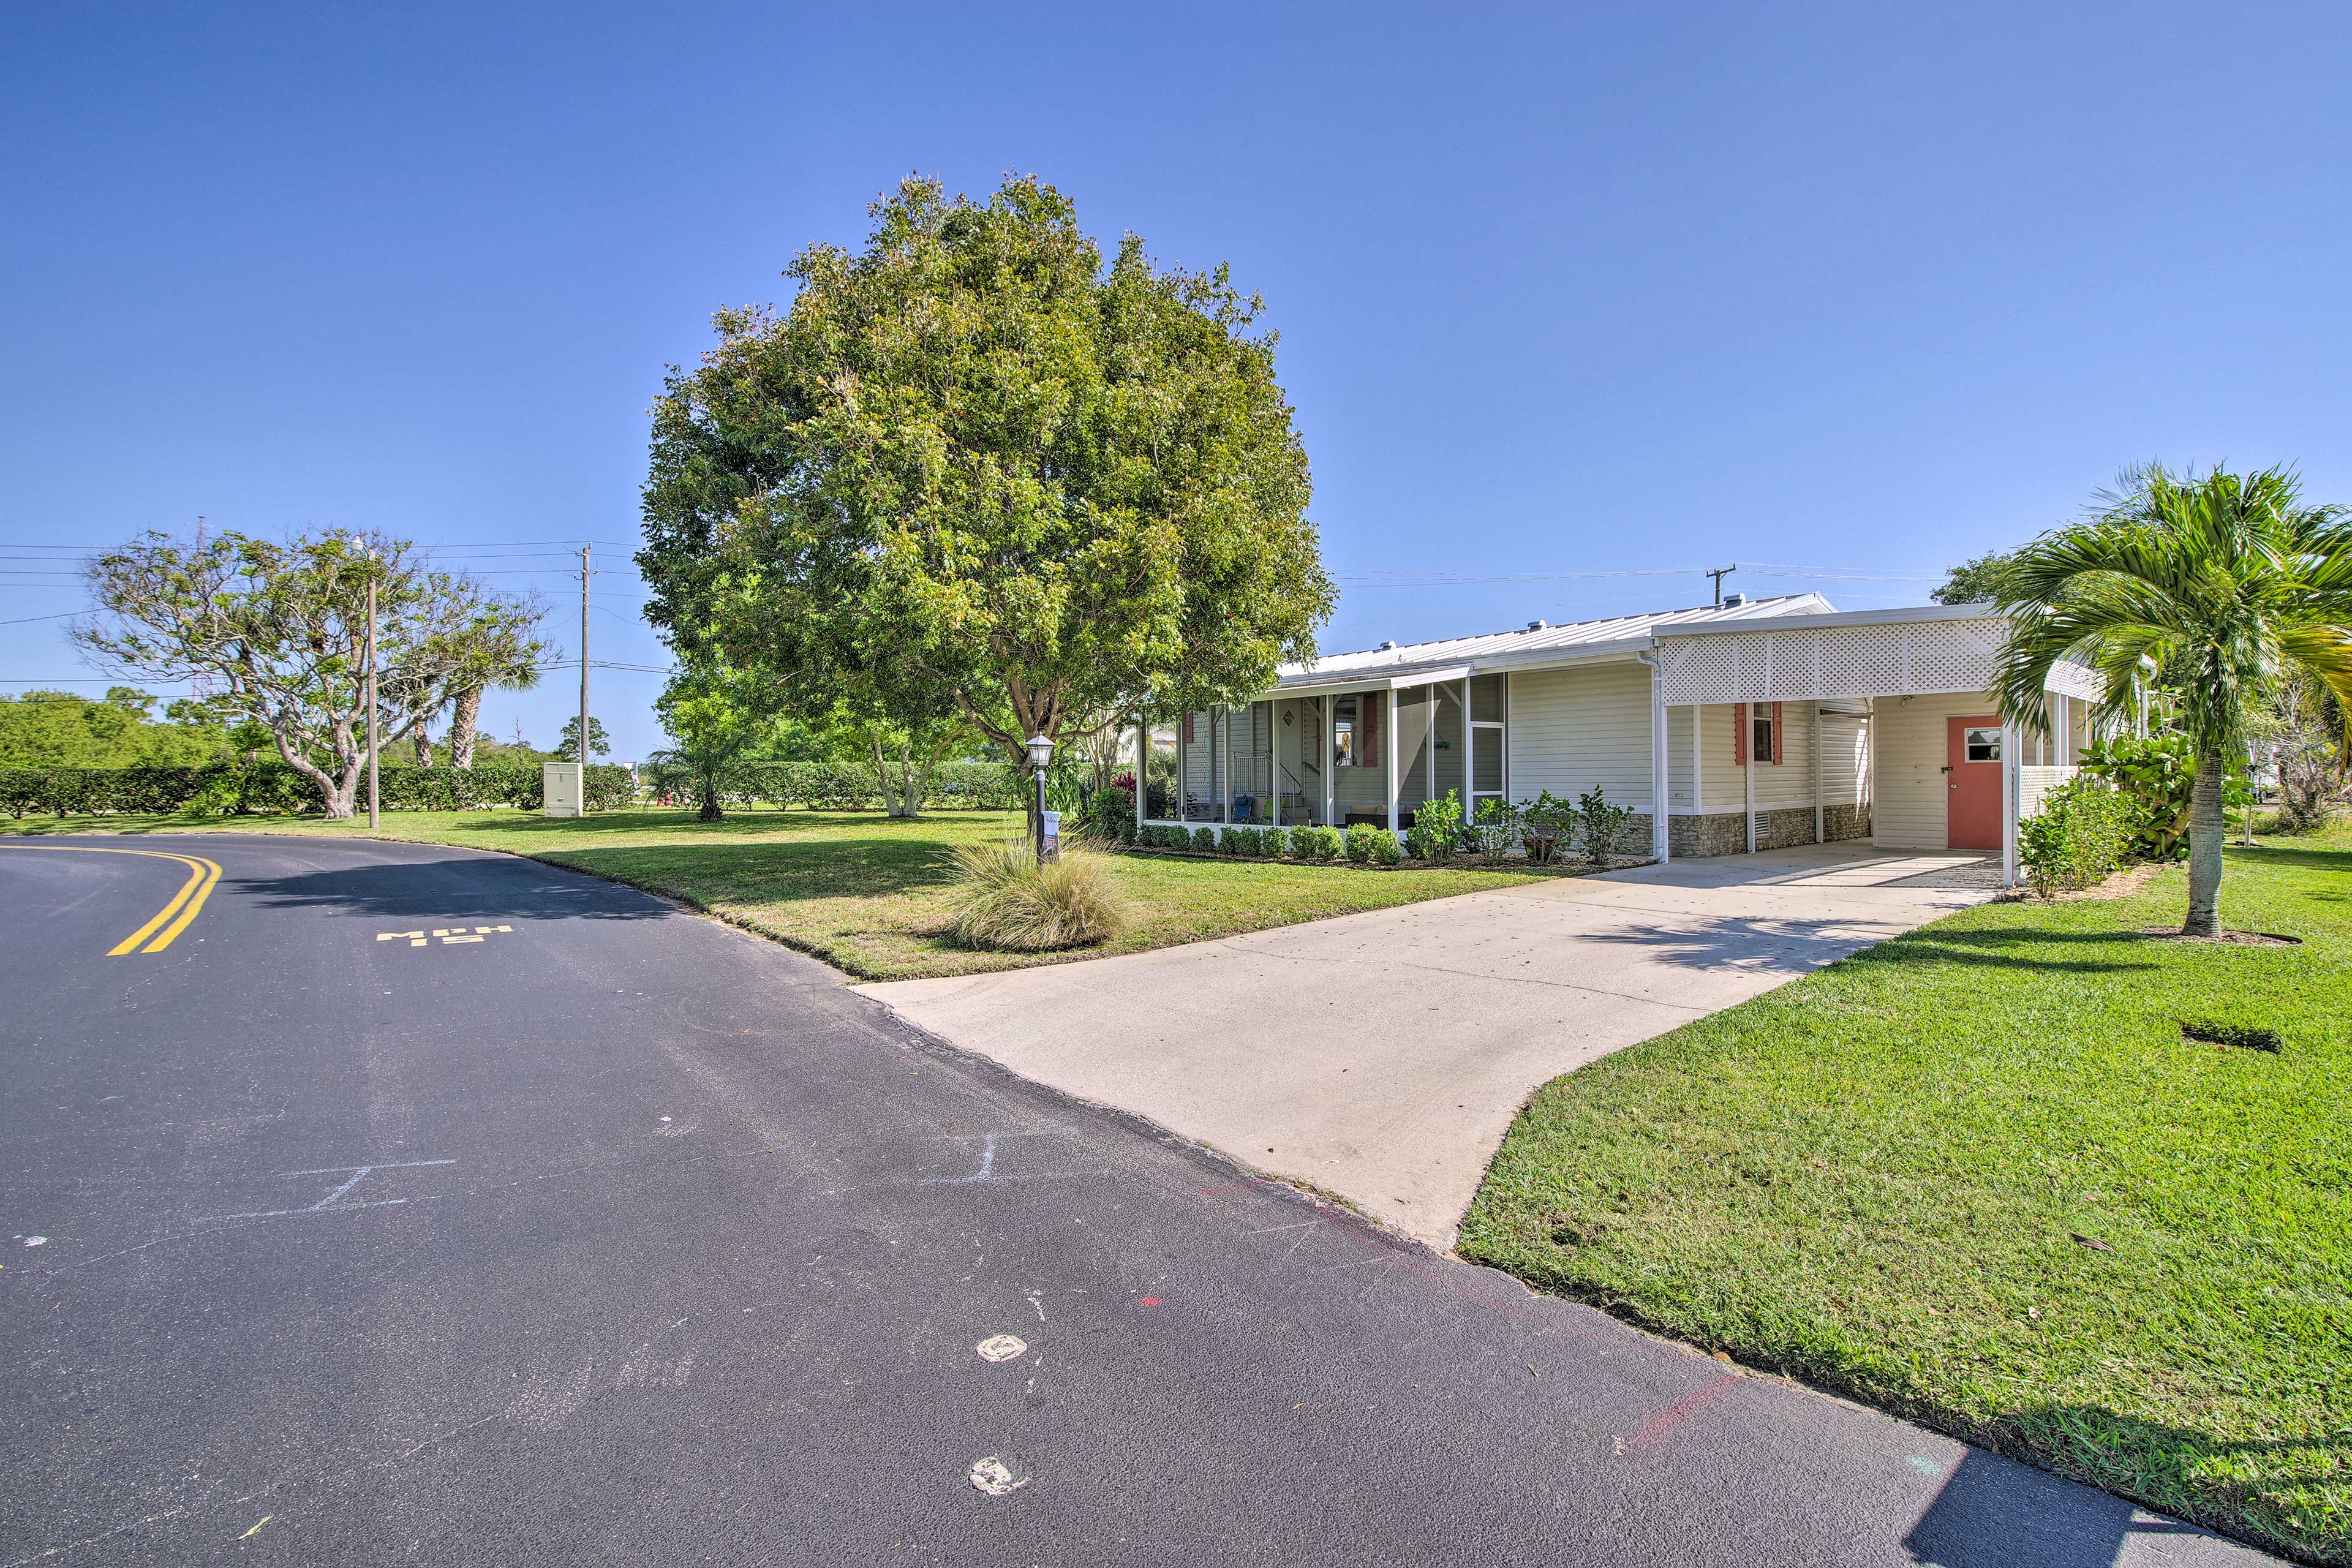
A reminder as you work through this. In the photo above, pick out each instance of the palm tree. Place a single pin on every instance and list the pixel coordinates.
(2216, 584)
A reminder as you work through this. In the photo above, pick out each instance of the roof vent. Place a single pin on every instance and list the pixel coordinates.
(1733, 601)
(1387, 645)
(1537, 625)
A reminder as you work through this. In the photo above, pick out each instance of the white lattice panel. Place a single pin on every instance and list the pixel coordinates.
(1890, 659)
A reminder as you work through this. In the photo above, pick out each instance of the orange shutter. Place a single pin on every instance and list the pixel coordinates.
(1776, 734)
(1742, 742)
(1188, 729)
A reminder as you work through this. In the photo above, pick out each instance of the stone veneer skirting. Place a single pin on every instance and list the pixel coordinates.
(1726, 832)
(1843, 822)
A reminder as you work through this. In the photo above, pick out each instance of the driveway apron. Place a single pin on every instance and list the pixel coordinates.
(1382, 1055)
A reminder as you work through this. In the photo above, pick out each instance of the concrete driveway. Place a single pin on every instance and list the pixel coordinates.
(1382, 1055)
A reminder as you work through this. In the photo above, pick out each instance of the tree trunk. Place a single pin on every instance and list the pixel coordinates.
(337, 795)
(882, 777)
(423, 742)
(2208, 825)
(461, 727)
(914, 776)
(710, 812)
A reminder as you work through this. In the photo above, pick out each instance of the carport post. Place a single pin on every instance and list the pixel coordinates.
(1661, 839)
(2009, 737)
(1389, 746)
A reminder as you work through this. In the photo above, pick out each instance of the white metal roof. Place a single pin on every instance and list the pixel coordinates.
(1574, 639)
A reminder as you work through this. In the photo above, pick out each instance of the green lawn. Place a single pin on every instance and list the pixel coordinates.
(865, 894)
(1875, 1179)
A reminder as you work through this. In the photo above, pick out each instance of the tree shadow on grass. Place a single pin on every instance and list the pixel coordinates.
(1992, 1513)
(2300, 859)
(855, 868)
(1798, 946)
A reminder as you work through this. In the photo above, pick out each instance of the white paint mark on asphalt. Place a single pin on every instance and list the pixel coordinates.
(546, 1406)
(36, 1241)
(1034, 1301)
(994, 1477)
(1002, 1347)
(328, 1205)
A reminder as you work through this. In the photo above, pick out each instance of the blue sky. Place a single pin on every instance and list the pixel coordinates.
(1860, 288)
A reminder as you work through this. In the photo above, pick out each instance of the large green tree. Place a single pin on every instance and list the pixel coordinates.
(718, 718)
(2214, 586)
(977, 472)
(279, 629)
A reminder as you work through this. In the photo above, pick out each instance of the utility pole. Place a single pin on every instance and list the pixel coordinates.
(1719, 574)
(583, 680)
(370, 688)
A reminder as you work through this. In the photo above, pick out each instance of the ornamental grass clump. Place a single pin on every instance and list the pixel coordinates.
(1007, 901)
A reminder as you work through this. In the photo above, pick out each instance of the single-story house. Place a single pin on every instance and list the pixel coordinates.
(1755, 724)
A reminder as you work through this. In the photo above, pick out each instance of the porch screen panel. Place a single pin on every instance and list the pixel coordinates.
(1299, 759)
(1200, 796)
(1163, 792)
(1254, 762)
(1446, 734)
(1412, 742)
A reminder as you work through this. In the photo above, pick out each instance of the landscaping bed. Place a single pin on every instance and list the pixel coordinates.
(867, 894)
(2028, 1174)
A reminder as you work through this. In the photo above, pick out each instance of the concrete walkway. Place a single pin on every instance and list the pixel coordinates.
(1382, 1055)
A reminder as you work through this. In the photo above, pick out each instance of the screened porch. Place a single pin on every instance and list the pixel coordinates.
(1330, 757)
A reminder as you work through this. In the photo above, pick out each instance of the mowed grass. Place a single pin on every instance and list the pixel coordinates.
(867, 895)
(1976, 1175)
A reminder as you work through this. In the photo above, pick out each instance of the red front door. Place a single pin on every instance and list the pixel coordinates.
(1972, 772)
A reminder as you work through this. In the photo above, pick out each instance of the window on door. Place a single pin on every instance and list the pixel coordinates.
(1984, 745)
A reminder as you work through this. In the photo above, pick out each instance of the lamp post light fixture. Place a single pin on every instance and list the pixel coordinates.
(1041, 751)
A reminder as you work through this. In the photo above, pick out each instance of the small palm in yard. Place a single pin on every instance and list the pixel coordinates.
(1008, 901)
(2214, 586)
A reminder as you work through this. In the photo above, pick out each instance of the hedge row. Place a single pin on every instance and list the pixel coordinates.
(271, 788)
(850, 786)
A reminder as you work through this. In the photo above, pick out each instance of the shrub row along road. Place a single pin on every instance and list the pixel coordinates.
(414, 1205)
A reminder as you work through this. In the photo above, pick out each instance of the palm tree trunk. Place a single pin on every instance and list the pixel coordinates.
(2208, 825)
(461, 727)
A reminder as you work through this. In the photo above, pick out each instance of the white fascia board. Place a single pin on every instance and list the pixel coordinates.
(1842, 619)
(1392, 680)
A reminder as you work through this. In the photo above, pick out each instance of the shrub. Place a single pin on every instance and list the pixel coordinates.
(1007, 901)
(1204, 841)
(1111, 815)
(1546, 823)
(1605, 824)
(1436, 827)
(1273, 842)
(1370, 845)
(2084, 833)
(1247, 841)
(1315, 843)
(1495, 831)
(2160, 773)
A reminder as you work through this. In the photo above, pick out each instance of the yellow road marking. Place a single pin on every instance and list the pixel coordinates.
(203, 876)
(249, 1534)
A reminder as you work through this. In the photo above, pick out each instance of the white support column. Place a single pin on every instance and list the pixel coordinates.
(1661, 838)
(1142, 767)
(1469, 750)
(1388, 750)
(1329, 716)
(1748, 771)
(1819, 835)
(2010, 736)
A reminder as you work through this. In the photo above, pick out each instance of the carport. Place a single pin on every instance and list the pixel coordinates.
(1945, 770)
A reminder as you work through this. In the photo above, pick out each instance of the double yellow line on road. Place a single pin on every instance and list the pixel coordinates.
(171, 920)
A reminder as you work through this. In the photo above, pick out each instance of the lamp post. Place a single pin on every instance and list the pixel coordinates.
(1041, 751)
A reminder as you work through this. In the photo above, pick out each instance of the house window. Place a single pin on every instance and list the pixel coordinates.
(1343, 735)
(1760, 729)
(1983, 744)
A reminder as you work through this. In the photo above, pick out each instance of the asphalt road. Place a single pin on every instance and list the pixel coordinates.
(619, 1236)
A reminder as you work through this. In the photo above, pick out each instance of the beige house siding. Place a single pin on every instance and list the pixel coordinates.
(1909, 789)
(1572, 729)
(1845, 759)
(1789, 783)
